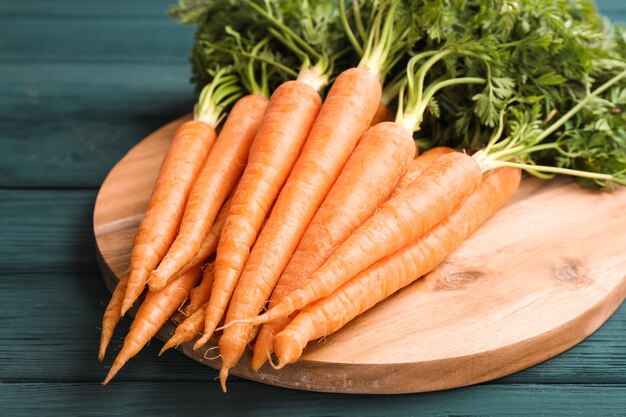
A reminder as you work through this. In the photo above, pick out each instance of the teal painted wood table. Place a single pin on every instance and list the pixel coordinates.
(80, 83)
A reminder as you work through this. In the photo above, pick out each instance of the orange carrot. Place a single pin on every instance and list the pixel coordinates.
(370, 174)
(209, 244)
(221, 171)
(426, 202)
(345, 115)
(183, 161)
(187, 330)
(200, 295)
(289, 117)
(396, 271)
(156, 308)
(382, 115)
(418, 166)
(112, 315)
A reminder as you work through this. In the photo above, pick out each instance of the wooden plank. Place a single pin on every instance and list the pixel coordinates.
(72, 9)
(62, 129)
(253, 400)
(66, 152)
(45, 231)
(86, 40)
(53, 298)
(93, 91)
(50, 332)
(613, 9)
(144, 9)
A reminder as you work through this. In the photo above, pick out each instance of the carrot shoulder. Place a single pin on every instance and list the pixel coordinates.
(112, 315)
(290, 114)
(346, 113)
(156, 308)
(374, 168)
(396, 271)
(222, 169)
(183, 161)
(427, 201)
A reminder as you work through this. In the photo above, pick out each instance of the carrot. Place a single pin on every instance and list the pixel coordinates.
(368, 177)
(418, 166)
(396, 271)
(156, 308)
(424, 203)
(283, 131)
(112, 315)
(209, 244)
(221, 171)
(382, 114)
(345, 115)
(200, 295)
(182, 163)
(187, 330)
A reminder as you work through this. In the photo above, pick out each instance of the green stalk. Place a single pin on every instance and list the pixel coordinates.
(286, 29)
(547, 132)
(563, 171)
(216, 96)
(346, 28)
(259, 58)
(358, 21)
(508, 157)
(379, 41)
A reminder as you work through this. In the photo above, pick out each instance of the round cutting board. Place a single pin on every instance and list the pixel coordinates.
(541, 275)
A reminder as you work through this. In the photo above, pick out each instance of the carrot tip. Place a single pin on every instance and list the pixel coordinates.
(257, 363)
(156, 282)
(223, 378)
(123, 311)
(104, 343)
(201, 342)
(109, 376)
(169, 344)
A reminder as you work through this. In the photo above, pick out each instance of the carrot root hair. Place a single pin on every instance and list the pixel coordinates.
(211, 358)
(112, 316)
(271, 362)
(239, 321)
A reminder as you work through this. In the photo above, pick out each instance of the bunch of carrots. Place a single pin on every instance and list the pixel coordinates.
(281, 217)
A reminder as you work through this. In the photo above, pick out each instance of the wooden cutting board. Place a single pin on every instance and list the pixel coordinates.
(541, 275)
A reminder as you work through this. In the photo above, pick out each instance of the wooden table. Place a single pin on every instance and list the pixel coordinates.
(80, 83)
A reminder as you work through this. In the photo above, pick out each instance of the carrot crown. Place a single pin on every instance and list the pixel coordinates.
(380, 34)
(307, 31)
(229, 35)
(528, 139)
(416, 97)
(257, 67)
(216, 96)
